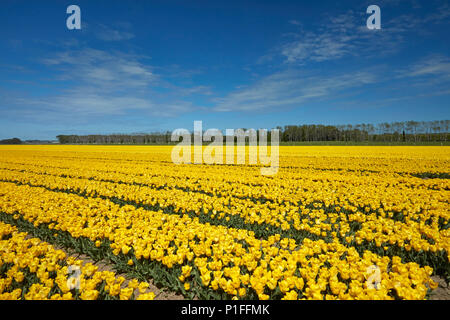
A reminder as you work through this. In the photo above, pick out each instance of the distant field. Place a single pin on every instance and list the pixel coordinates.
(300, 143)
(335, 222)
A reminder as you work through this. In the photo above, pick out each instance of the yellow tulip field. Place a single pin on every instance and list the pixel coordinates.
(341, 222)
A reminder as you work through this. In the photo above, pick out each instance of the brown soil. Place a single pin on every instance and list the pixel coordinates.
(442, 292)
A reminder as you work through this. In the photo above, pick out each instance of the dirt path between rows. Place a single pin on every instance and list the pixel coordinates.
(442, 292)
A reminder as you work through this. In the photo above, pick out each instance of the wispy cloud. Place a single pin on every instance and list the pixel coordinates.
(295, 88)
(102, 68)
(290, 89)
(81, 101)
(436, 65)
(92, 82)
(203, 90)
(429, 76)
(441, 15)
(335, 38)
(295, 22)
(106, 33)
(346, 35)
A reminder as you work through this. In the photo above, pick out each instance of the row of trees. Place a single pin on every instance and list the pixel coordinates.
(152, 138)
(408, 131)
(11, 141)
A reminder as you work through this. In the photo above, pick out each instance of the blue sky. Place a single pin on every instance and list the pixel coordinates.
(145, 66)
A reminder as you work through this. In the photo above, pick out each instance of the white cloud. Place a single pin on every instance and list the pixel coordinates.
(289, 89)
(429, 76)
(106, 33)
(203, 90)
(333, 39)
(102, 68)
(81, 103)
(434, 65)
(347, 35)
(92, 82)
(441, 15)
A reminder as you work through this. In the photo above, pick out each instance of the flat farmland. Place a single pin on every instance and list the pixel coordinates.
(335, 222)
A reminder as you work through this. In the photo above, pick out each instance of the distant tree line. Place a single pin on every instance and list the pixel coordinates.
(11, 141)
(407, 131)
(151, 138)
